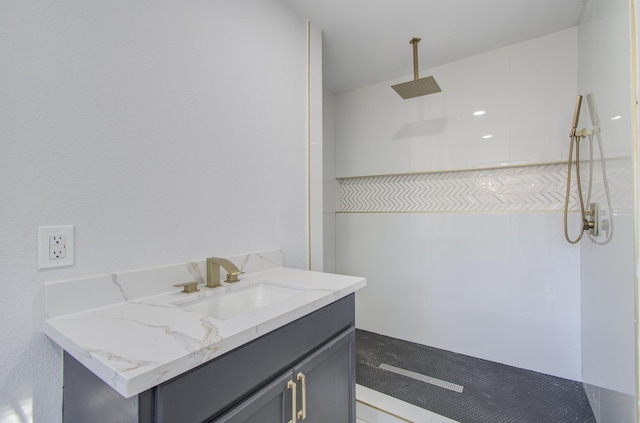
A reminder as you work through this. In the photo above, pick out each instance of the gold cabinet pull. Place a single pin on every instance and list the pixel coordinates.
(302, 414)
(292, 385)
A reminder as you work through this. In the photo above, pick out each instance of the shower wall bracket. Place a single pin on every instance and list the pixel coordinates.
(592, 213)
(584, 132)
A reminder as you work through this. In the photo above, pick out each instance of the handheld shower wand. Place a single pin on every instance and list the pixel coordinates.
(575, 136)
(593, 212)
(576, 115)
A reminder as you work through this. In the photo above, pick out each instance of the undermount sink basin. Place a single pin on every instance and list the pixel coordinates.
(235, 302)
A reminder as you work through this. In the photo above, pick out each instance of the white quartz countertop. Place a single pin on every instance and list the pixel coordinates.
(137, 344)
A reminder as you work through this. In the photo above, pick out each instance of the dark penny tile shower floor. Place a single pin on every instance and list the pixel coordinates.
(493, 392)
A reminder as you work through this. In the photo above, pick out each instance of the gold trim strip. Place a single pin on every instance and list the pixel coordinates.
(457, 211)
(636, 187)
(309, 143)
(469, 169)
(387, 412)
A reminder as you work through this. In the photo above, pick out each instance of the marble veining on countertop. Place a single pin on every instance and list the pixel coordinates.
(134, 341)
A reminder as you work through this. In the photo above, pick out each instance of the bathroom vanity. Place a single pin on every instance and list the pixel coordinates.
(253, 383)
(209, 356)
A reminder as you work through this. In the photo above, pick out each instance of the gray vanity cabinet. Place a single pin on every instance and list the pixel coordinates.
(323, 385)
(252, 383)
(329, 375)
(271, 404)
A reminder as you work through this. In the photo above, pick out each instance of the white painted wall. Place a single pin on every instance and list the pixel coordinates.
(499, 286)
(608, 292)
(165, 131)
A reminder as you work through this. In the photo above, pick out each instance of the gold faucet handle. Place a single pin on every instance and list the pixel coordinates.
(188, 287)
(233, 276)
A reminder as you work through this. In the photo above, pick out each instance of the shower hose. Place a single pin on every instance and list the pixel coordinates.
(575, 141)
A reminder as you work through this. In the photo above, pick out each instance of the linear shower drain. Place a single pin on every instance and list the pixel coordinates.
(423, 378)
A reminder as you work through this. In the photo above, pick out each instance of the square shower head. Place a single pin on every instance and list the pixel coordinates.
(417, 87)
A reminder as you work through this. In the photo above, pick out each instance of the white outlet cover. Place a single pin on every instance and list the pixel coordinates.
(44, 243)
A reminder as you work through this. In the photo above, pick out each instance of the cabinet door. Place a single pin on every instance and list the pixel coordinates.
(328, 376)
(217, 385)
(271, 404)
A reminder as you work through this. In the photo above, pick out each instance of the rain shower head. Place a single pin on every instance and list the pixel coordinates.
(419, 86)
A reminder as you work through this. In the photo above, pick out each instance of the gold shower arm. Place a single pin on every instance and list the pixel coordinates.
(414, 42)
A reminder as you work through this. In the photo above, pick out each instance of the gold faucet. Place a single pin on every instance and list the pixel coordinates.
(213, 271)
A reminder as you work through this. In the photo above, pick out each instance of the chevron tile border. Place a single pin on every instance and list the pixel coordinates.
(524, 188)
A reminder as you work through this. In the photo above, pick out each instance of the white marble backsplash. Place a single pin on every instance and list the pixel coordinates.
(61, 297)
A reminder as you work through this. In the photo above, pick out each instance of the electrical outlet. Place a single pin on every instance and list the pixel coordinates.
(56, 246)
(58, 252)
(57, 240)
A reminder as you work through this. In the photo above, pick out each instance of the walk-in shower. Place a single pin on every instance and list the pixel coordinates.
(590, 217)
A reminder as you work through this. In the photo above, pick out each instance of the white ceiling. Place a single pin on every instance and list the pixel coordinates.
(367, 41)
